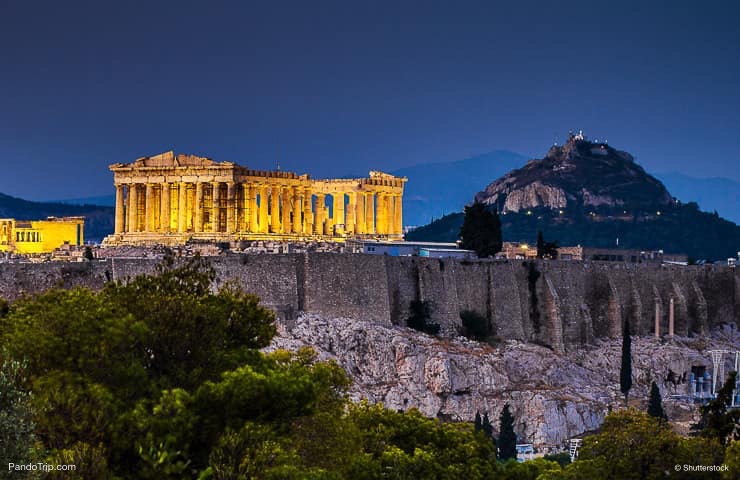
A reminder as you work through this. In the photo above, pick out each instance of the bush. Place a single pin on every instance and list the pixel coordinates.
(475, 325)
(420, 313)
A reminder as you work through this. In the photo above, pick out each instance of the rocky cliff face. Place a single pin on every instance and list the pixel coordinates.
(577, 174)
(553, 397)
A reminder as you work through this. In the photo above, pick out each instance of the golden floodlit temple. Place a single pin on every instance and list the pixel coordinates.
(40, 236)
(170, 199)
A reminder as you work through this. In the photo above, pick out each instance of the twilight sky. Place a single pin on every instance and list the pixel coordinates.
(331, 88)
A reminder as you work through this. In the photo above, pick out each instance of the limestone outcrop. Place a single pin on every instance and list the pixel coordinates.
(553, 396)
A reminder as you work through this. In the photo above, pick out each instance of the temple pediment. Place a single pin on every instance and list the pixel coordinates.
(169, 159)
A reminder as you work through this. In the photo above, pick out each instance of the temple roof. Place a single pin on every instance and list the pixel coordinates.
(168, 159)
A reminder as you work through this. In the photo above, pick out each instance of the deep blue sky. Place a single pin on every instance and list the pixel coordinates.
(331, 88)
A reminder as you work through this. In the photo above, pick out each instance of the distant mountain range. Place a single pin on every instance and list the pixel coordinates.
(712, 194)
(592, 194)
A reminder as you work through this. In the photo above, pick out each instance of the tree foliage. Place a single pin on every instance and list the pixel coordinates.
(507, 437)
(420, 312)
(17, 438)
(545, 249)
(481, 230)
(655, 405)
(475, 325)
(160, 377)
(625, 369)
(634, 445)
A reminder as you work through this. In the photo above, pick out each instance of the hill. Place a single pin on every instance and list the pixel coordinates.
(98, 219)
(435, 189)
(592, 194)
(427, 197)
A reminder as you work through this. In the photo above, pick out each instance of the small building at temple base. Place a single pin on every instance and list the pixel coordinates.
(40, 236)
(171, 199)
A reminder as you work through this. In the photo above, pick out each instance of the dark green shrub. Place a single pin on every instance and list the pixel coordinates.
(420, 311)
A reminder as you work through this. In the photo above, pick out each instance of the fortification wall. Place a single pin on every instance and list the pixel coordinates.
(561, 304)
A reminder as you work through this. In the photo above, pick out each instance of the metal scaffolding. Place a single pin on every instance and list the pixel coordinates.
(574, 444)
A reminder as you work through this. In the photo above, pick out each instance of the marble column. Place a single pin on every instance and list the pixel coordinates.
(339, 220)
(349, 223)
(148, 207)
(198, 227)
(360, 213)
(370, 213)
(398, 214)
(275, 209)
(182, 208)
(671, 318)
(308, 217)
(657, 320)
(216, 208)
(263, 209)
(247, 212)
(297, 223)
(381, 219)
(133, 207)
(230, 207)
(119, 209)
(164, 208)
(253, 211)
(318, 226)
(286, 207)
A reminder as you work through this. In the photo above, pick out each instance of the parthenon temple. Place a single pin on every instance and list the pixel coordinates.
(171, 199)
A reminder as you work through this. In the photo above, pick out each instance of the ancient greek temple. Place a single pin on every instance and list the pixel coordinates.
(171, 199)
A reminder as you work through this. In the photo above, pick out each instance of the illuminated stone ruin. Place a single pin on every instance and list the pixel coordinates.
(170, 199)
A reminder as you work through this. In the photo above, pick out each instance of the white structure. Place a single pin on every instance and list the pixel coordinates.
(575, 443)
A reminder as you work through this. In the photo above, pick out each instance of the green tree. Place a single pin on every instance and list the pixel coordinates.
(633, 445)
(717, 420)
(475, 325)
(625, 370)
(481, 230)
(409, 445)
(507, 437)
(96, 357)
(546, 249)
(732, 460)
(477, 423)
(195, 334)
(88, 254)
(420, 311)
(17, 437)
(486, 426)
(540, 244)
(655, 406)
(535, 469)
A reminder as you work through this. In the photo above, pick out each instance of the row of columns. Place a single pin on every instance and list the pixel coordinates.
(228, 207)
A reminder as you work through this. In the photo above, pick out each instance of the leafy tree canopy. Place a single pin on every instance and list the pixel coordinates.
(481, 230)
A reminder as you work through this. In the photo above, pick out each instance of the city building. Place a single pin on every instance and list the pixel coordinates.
(40, 236)
(401, 249)
(620, 255)
(526, 251)
(170, 199)
(517, 251)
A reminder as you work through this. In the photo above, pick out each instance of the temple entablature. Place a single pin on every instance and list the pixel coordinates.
(172, 198)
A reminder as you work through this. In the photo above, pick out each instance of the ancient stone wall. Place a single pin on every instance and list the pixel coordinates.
(560, 304)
